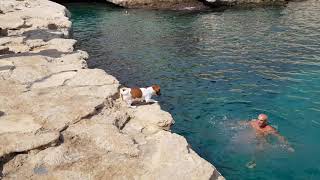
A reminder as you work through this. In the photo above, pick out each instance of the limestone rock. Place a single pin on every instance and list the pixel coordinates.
(15, 45)
(92, 77)
(151, 117)
(20, 142)
(6, 65)
(54, 80)
(58, 107)
(106, 137)
(62, 45)
(29, 68)
(11, 22)
(4, 50)
(91, 150)
(166, 152)
(18, 123)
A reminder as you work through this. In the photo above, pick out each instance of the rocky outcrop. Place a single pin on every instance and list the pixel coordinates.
(61, 120)
(152, 4)
(161, 4)
(228, 3)
(187, 4)
(192, 4)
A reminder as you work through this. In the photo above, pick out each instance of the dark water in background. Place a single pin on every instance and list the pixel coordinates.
(217, 68)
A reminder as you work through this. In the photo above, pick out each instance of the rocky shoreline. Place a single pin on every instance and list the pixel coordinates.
(61, 120)
(189, 5)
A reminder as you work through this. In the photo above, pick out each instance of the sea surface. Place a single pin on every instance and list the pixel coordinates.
(217, 69)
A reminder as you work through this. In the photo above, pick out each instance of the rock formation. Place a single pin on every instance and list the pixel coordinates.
(61, 120)
(223, 3)
(161, 4)
(187, 4)
(151, 4)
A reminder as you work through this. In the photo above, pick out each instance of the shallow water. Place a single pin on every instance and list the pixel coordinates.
(218, 68)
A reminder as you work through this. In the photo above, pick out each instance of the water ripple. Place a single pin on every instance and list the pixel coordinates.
(218, 68)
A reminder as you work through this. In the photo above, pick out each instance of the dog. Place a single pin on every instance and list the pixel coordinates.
(130, 95)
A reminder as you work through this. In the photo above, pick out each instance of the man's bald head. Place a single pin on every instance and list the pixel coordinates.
(262, 120)
(263, 117)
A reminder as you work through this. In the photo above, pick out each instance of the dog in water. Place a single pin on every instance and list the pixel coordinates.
(130, 95)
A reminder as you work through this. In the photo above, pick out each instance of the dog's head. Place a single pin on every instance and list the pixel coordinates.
(156, 89)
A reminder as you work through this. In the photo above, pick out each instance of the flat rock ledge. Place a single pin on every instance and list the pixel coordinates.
(61, 120)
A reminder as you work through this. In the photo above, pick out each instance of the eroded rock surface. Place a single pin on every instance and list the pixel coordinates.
(61, 120)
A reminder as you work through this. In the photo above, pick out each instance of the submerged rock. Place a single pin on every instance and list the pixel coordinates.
(61, 120)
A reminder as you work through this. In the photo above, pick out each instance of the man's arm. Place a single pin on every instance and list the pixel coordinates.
(282, 139)
(244, 123)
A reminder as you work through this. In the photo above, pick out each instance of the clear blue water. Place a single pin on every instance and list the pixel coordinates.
(218, 68)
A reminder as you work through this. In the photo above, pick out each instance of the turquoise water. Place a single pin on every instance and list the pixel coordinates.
(216, 69)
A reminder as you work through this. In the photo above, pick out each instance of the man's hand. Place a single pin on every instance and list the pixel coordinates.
(290, 149)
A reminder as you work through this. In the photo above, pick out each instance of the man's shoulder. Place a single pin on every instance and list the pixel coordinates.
(270, 128)
(253, 121)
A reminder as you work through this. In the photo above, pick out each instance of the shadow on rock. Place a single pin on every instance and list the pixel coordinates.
(44, 34)
(139, 103)
(48, 52)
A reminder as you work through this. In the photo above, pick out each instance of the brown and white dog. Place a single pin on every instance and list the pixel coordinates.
(130, 95)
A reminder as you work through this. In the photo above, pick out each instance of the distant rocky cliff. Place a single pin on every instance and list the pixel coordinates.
(61, 120)
(224, 3)
(161, 4)
(190, 4)
(184, 4)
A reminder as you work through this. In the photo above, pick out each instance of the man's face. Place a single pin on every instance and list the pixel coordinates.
(262, 122)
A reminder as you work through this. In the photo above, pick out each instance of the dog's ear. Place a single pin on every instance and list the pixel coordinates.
(156, 88)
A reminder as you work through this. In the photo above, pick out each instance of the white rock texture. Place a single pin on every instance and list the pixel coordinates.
(61, 120)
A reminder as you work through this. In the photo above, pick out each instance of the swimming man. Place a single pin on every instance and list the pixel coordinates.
(262, 128)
